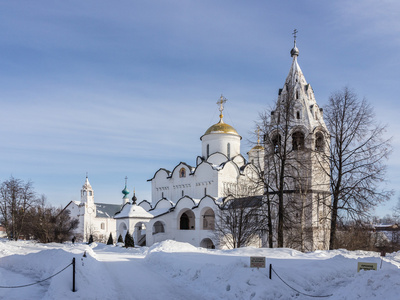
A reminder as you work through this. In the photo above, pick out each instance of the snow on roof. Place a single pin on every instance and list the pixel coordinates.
(104, 210)
(133, 211)
(217, 167)
(159, 211)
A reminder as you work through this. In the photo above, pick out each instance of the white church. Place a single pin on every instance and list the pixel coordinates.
(186, 200)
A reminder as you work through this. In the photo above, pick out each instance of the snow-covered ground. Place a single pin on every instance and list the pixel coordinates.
(172, 270)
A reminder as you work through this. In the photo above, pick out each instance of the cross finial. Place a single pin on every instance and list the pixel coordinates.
(126, 180)
(86, 174)
(258, 135)
(295, 35)
(221, 102)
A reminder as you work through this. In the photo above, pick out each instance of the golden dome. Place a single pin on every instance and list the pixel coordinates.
(257, 147)
(221, 127)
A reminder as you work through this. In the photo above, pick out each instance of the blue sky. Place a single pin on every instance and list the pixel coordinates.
(122, 88)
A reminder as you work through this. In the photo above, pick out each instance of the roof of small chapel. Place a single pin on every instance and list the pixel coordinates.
(133, 211)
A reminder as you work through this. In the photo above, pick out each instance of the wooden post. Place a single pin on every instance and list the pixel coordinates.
(73, 275)
(270, 271)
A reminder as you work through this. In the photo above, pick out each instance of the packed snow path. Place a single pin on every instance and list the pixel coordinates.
(132, 278)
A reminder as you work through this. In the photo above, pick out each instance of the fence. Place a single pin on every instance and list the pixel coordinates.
(271, 269)
(33, 283)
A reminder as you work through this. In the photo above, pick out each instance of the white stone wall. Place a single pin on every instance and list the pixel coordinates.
(218, 142)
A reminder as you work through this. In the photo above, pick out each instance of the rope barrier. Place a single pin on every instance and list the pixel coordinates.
(25, 285)
(298, 290)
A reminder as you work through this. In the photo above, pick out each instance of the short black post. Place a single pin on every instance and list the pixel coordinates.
(270, 271)
(73, 275)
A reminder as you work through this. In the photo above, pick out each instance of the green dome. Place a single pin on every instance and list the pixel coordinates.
(125, 192)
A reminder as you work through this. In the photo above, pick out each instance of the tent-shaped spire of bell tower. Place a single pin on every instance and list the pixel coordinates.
(87, 194)
(300, 94)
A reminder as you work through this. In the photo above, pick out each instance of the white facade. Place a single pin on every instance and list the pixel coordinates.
(185, 201)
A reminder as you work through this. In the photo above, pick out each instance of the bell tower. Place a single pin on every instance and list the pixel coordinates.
(87, 194)
(297, 158)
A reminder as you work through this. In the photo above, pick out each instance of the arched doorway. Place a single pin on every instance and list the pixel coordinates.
(139, 235)
(207, 243)
(186, 221)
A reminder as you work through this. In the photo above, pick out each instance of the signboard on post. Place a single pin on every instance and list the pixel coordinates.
(257, 262)
(367, 266)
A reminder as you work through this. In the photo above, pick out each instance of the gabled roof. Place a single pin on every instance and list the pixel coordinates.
(104, 210)
(243, 202)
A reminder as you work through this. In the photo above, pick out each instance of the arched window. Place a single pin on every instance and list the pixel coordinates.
(158, 227)
(319, 142)
(182, 173)
(298, 115)
(208, 219)
(298, 140)
(102, 226)
(208, 150)
(162, 195)
(183, 193)
(229, 150)
(276, 142)
(297, 94)
(205, 191)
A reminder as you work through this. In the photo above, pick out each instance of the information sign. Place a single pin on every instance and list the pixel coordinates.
(257, 262)
(367, 266)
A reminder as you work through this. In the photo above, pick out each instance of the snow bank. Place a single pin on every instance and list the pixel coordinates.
(173, 270)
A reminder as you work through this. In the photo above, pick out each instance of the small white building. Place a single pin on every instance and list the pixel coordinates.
(94, 218)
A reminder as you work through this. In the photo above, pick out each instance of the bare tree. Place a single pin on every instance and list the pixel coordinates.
(40, 222)
(16, 198)
(285, 171)
(358, 152)
(240, 221)
(64, 226)
(46, 223)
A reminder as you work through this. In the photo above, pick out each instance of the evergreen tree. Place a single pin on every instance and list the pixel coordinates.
(110, 240)
(90, 239)
(129, 240)
(120, 240)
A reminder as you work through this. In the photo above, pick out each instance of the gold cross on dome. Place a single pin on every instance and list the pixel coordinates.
(221, 102)
(258, 135)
